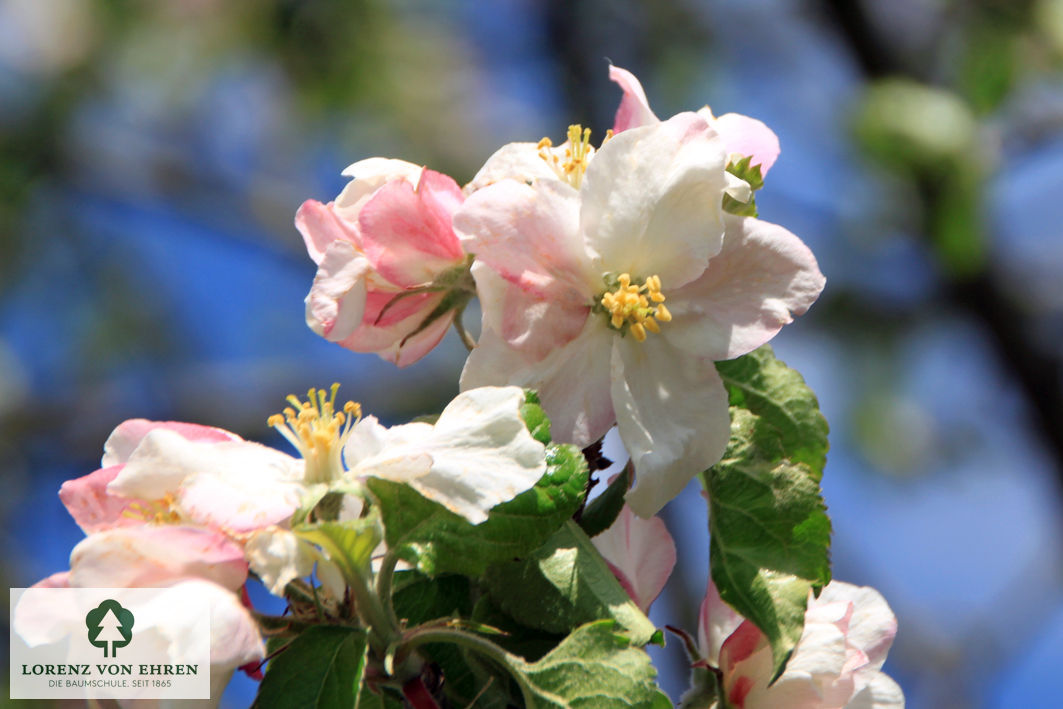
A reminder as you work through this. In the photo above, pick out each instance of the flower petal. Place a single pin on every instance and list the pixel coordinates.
(336, 301)
(530, 235)
(480, 453)
(321, 227)
(146, 556)
(763, 276)
(513, 161)
(634, 109)
(127, 436)
(572, 381)
(716, 622)
(406, 232)
(533, 325)
(880, 693)
(671, 410)
(872, 626)
(278, 556)
(239, 499)
(640, 553)
(651, 201)
(745, 136)
(164, 459)
(92, 506)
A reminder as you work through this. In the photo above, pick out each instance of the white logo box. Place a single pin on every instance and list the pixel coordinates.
(109, 643)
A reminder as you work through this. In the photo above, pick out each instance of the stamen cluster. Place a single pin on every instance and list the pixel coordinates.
(577, 154)
(318, 431)
(638, 307)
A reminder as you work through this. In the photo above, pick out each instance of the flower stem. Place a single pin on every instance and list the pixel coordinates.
(459, 327)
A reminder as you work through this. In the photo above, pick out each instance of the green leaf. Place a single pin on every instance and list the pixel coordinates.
(382, 698)
(779, 395)
(594, 668)
(321, 668)
(348, 544)
(603, 510)
(769, 531)
(418, 599)
(564, 584)
(437, 541)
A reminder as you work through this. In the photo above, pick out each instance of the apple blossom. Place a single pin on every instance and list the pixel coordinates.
(741, 135)
(640, 553)
(391, 273)
(573, 275)
(837, 662)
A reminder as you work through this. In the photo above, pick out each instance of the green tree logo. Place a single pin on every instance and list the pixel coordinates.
(110, 624)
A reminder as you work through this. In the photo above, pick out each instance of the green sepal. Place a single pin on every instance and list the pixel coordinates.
(348, 544)
(742, 169)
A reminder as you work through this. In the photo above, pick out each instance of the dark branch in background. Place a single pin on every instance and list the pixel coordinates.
(1011, 328)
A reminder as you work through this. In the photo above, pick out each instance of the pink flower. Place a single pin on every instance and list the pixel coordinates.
(640, 553)
(573, 275)
(390, 268)
(181, 473)
(837, 662)
(740, 134)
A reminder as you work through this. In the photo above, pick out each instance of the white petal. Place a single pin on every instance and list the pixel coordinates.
(368, 176)
(651, 201)
(763, 276)
(513, 161)
(164, 459)
(716, 621)
(480, 453)
(336, 301)
(880, 693)
(572, 381)
(672, 413)
(278, 556)
(872, 626)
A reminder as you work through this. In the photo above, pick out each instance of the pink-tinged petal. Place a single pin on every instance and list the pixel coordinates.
(336, 302)
(651, 201)
(406, 232)
(880, 692)
(572, 381)
(640, 553)
(672, 413)
(740, 646)
(92, 506)
(127, 436)
(634, 110)
(384, 308)
(242, 501)
(321, 227)
(131, 557)
(760, 280)
(59, 579)
(872, 626)
(748, 137)
(716, 622)
(164, 461)
(367, 176)
(530, 235)
(513, 161)
(533, 325)
(395, 341)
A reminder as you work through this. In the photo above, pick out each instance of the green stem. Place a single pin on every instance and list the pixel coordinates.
(382, 631)
(459, 327)
(384, 578)
(477, 644)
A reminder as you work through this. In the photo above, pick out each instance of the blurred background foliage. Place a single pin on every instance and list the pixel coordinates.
(153, 153)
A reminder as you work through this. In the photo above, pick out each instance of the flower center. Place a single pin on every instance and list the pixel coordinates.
(159, 511)
(634, 307)
(318, 431)
(576, 155)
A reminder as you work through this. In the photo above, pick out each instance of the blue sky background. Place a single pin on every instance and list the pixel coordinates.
(154, 157)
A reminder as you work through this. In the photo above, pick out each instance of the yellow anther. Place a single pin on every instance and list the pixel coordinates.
(570, 163)
(545, 143)
(635, 306)
(318, 431)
